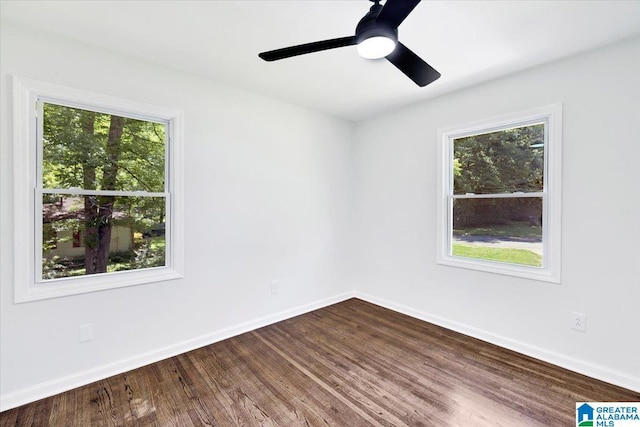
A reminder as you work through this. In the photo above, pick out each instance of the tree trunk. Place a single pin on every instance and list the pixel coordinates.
(90, 238)
(99, 213)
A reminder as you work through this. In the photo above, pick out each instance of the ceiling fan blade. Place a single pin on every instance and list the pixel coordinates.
(412, 65)
(395, 11)
(302, 49)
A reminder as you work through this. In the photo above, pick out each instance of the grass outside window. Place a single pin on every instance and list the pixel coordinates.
(507, 255)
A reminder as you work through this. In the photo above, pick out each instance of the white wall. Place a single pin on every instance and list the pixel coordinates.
(267, 193)
(396, 214)
(273, 191)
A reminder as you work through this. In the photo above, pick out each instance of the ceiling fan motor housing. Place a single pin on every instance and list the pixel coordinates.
(368, 26)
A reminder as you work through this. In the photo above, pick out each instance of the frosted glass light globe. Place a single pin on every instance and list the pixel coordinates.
(376, 47)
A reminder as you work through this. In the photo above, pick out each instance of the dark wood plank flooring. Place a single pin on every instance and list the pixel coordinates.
(350, 364)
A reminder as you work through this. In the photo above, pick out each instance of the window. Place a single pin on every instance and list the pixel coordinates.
(499, 202)
(97, 192)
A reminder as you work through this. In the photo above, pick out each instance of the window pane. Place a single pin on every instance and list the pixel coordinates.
(505, 161)
(96, 151)
(501, 229)
(99, 234)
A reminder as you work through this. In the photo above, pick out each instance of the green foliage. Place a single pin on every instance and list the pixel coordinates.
(457, 167)
(52, 268)
(147, 253)
(98, 151)
(151, 253)
(75, 141)
(504, 161)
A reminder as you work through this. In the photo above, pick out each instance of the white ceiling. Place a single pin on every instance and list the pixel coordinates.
(467, 41)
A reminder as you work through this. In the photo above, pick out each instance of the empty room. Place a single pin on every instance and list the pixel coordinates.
(319, 213)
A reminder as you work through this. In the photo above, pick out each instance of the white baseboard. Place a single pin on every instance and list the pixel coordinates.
(583, 367)
(59, 385)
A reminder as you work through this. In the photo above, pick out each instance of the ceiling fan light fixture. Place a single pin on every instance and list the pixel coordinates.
(376, 36)
(376, 47)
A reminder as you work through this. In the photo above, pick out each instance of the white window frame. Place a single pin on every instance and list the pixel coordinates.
(27, 96)
(551, 195)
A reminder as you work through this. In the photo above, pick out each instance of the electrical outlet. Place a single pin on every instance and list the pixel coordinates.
(579, 322)
(86, 332)
(274, 287)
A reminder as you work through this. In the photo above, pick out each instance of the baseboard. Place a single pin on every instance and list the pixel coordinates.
(583, 367)
(60, 385)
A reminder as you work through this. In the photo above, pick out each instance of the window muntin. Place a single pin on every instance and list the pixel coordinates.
(134, 185)
(500, 195)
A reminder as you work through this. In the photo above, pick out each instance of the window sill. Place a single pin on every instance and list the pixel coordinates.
(522, 271)
(84, 284)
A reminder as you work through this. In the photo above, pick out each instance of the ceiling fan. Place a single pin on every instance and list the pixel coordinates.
(376, 37)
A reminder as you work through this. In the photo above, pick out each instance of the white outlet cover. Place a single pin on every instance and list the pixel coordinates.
(578, 321)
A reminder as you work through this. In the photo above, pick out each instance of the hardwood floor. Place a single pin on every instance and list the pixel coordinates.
(350, 364)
